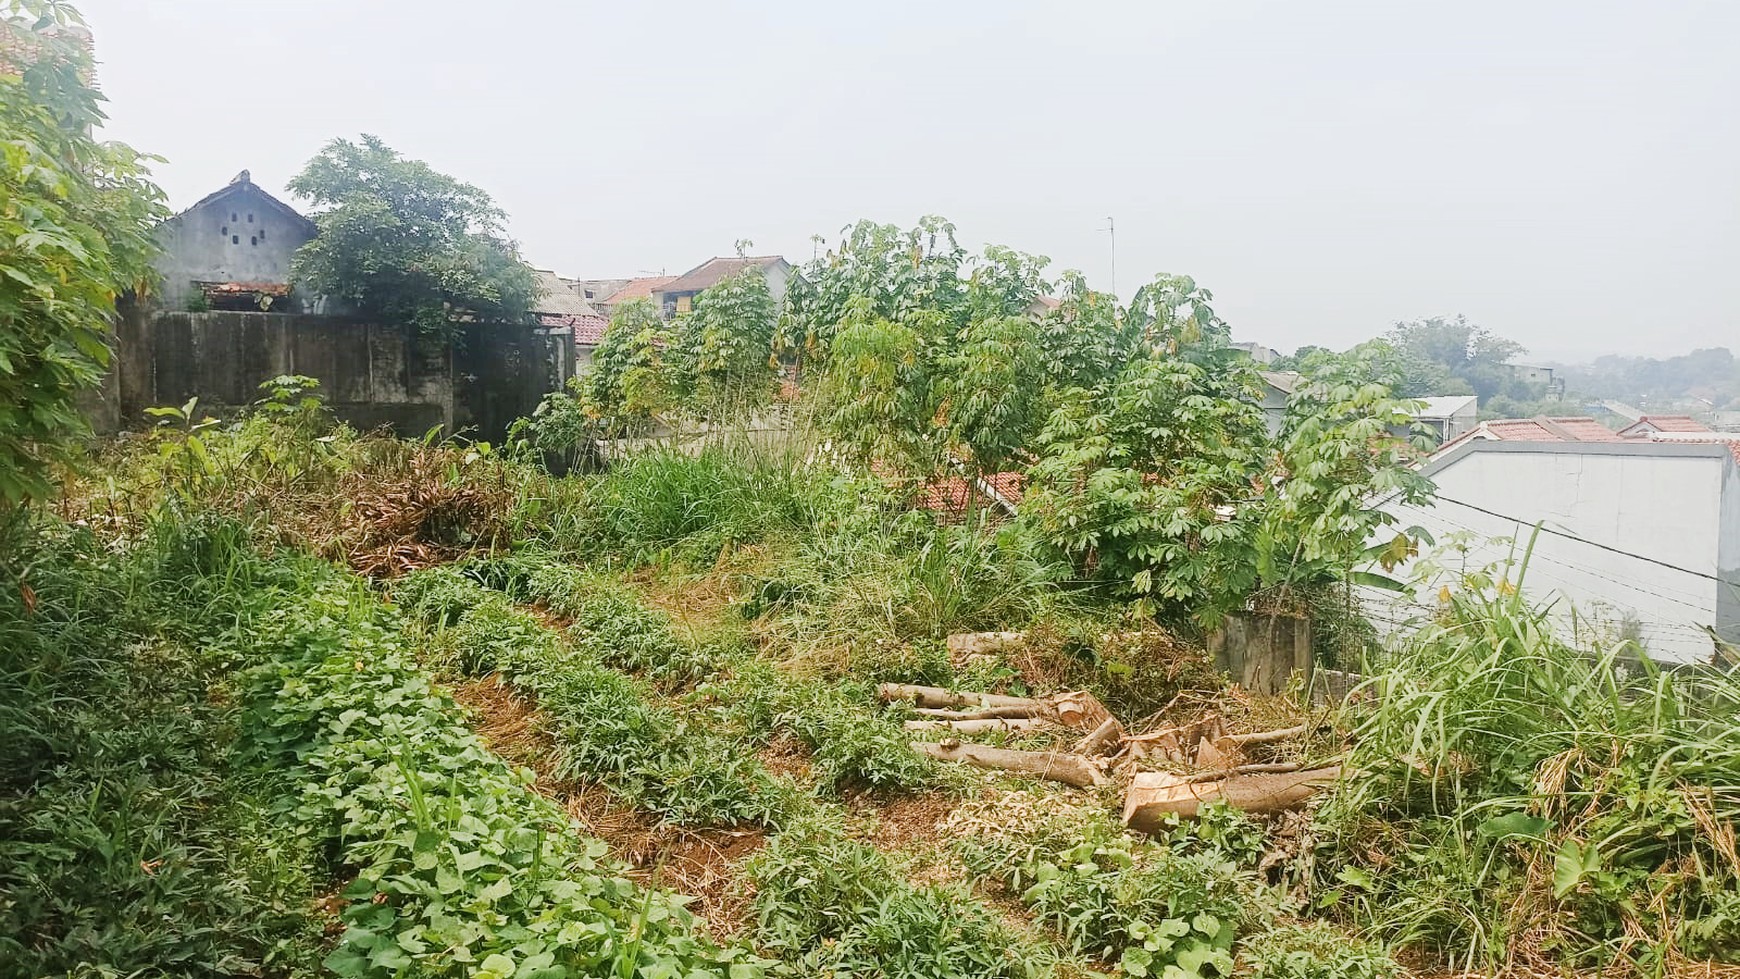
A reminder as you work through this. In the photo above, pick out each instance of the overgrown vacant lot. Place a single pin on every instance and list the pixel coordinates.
(280, 699)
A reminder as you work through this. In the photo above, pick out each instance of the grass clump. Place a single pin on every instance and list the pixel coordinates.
(1313, 951)
(667, 506)
(833, 906)
(605, 727)
(1520, 799)
(1148, 908)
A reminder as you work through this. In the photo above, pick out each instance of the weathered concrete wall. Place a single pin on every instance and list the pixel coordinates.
(239, 237)
(370, 375)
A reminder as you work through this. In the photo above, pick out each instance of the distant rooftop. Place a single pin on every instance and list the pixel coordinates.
(639, 288)
(709, 273)
(1446, 406)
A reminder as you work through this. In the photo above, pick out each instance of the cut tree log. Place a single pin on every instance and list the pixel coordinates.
(1057, 766)
(986, 713)
(1154, 795)
(1101, 738)
(940, 697)
(981, 643)
(1015, 725)
(1079, 710)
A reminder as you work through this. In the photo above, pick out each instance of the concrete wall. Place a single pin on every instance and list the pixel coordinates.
(217, 242)
(1635, 536)
(370, 375)
(1728, 559)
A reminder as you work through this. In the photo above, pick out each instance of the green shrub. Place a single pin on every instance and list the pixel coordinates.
(1313, 951)
(667, 505)
(461, 869)
(128, 844)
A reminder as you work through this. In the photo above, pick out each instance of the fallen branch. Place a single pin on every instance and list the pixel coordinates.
(1267, 767)
(1154, 795)
(1109, 733)
(940, 697)
(1268, 737)
(978, 725)
(1054, 765)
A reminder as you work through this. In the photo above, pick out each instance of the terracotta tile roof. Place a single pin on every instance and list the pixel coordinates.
(708, 273)
(1538, 429)
(1730, 439)
(947, 496)
(639, 288)
(1662, 423)
(588, 328)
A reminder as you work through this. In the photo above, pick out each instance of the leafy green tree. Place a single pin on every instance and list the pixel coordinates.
(403, 243)
(726, 343)
(1474, 354)
(631, 381)
(875, 396)
(1084, 341)
(881, 272)
(1144, 485)
(76, 219)
(993, 388)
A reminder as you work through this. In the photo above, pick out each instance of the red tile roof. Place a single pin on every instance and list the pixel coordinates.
(588, 329)
(1538, 429)
(1706, 437)
(639, 289)
(947, 496)
(1662, 423)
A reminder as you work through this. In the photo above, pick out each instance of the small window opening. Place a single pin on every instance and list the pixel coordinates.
(253, 240)
(232, 215)
(250, 219)
(224, 230)
(235, 239)
(262, 234)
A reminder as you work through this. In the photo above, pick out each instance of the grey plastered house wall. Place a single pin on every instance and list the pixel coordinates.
(239, 234)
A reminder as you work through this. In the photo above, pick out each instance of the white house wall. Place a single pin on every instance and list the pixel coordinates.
(1632, 540)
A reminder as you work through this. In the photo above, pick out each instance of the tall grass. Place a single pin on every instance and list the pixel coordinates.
(1517, 796)
(669, 506)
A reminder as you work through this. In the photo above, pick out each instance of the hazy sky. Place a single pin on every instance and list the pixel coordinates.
(1567, 174)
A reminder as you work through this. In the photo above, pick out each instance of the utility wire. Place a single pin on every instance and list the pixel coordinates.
(1570, 536)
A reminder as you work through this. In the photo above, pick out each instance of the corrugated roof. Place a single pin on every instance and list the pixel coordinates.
(708, 273)
(558, 298)
(1444, 407)
(640, 288)
(1283, 381)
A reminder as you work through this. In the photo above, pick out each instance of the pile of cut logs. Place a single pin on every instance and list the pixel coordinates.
(1104, 751)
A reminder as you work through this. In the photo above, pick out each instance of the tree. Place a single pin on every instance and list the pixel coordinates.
(726, 344)
(631, 382)
(76, 219)
(993, 388)
(403, 243)
(1472, 353)
(879, 271)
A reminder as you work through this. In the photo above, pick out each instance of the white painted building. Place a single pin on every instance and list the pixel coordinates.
(1640, 536)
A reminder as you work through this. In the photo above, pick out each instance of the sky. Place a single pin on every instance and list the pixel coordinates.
(1566, 174)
